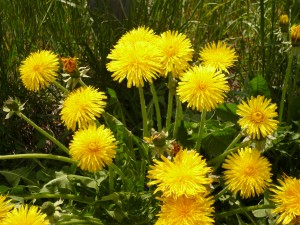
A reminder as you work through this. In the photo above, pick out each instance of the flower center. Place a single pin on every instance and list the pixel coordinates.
(249, 171)
(171, 51)
(93, 147)
(201, 86)
(37, 68)
(257, 117)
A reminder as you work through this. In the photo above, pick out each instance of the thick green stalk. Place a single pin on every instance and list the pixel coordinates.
(38, 156)
(243, 210)
(82, 83)
(111, 182)
(178, 117)
(157, 108)
(285, 84)
(223, 191)
(65, 90)
(291, 95)
(235, 140)
(200, 132)
(144, 112)
(217, 160)
(262, 34)
(171, 94)
(43, 132)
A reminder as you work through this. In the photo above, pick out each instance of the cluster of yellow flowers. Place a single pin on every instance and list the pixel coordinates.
(184, 184)
(92, 146)
(142, 56)
(12, 215)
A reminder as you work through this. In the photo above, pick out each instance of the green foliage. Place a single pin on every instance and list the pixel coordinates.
(119, 194)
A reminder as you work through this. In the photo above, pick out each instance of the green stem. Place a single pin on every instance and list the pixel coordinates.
(144, 112)
(285, 84)
(111, 182)
(82, 83)
(63, 196)
(200, 132)
(250, 217)
(220, 158)
(243, 210)
(223, 191)
(235, 140)
(170, 100)
(38, 156)
(142, 148)
(65, 90)
(291, 94)
(178, 117)
(262, 34)
(43, 132)
(156, 105)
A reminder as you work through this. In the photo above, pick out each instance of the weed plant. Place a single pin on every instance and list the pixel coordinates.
(35, 165)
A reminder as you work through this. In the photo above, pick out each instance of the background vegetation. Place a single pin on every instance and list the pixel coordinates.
(88, 31)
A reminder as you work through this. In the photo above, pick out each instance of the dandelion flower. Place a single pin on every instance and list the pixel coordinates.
(93, 148)
(295, 35)
(286, 199)
(186, 175)
(218, 55)
(25, 215)
(82, 106)
(39, 70)
(136, 59)
(69, 64)
(283, 20)
(186, 211)
(5, 206)
(139, 34)
(202, 87)
(257, 117)
(248, 172)
(176, 51)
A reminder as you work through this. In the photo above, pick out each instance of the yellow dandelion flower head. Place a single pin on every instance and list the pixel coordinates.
(186, 175)
(5, 206)
(39, 70)
(286, 198)
(202, 87)
(187, 211)
(247, 172)
(295, 35)
(257, 117)
(25, 215)
(93, 148)
(176, 51)
(218, 55)
(283, 19)
(82, 106)
(136, 58)
(139, 34)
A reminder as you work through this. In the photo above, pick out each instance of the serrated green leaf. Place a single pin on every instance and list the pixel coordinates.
(61, 181)
(86, 181)
(260, 213)
(112, 93)
(217, 141)
(3, 189)
(259, 86)
(13, 177)
(227, 112)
